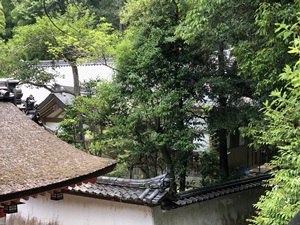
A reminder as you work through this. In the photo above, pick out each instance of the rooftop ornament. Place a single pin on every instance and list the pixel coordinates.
(10, 92)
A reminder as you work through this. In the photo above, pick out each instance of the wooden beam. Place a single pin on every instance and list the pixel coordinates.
(56, 120)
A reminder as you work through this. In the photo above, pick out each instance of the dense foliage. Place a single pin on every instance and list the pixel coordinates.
(72, 37)
(159, 73)
(280, 129)
(218, 27)
(177, 63)
(2, 20)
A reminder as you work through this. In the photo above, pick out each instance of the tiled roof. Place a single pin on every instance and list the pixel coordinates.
(147, 191)
(64, 97)
(155, 191)
(62, 63)
(206, 193)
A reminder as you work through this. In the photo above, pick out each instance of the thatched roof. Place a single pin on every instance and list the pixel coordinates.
(34, 161)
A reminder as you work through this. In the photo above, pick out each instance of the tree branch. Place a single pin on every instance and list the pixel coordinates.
(50, 89)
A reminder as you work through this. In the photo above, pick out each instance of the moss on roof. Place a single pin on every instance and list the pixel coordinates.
(31, 157)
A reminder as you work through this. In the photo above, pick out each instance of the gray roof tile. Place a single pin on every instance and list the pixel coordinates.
(206, 193)
(147, 191)
(155, 191)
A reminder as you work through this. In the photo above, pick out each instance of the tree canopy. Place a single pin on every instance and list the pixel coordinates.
(71, 36)
(177, 63)
(157, 71)
(217, 27)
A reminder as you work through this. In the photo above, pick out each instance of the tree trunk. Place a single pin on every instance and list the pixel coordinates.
(75, 79)
(182, 174)
(184, 156)
(77, 93)
(166, 153)
(222, 132)
(222, 137)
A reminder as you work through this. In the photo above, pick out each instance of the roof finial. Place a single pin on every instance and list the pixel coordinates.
(9, 91)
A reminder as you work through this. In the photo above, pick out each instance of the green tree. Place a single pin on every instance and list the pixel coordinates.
(281, 130)
(7, 8)
(95, 110)
(25, 12)
(2, 19)
(262, 56)
(68, 129)
(115, 128)
(159, 72)
(218, 27)
(108, 9)
(70, 37)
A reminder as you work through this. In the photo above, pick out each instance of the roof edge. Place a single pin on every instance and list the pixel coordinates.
(58, 185)
(233, 183)
(114, 199)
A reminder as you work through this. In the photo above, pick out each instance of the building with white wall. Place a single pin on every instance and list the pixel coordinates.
(117, 201)
(36, 163)
(86, 71)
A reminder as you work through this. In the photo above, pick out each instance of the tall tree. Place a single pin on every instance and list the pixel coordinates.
(71, 36)
(159, 71)
(217, 27)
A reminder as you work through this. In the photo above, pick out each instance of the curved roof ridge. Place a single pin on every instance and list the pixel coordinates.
(154, 182)
(150, 191)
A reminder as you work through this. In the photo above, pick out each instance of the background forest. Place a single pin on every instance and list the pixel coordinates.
(183, 68)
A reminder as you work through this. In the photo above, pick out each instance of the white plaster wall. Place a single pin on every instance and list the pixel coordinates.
(226, 210)
(86, 73)
(77, 210)
(52, 125)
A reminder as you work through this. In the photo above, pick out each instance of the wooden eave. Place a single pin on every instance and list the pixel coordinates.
(47, 108)
(60, 186)
(34, 161)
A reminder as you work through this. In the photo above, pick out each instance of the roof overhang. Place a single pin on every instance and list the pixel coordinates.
(34, 161)
(60, 186)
